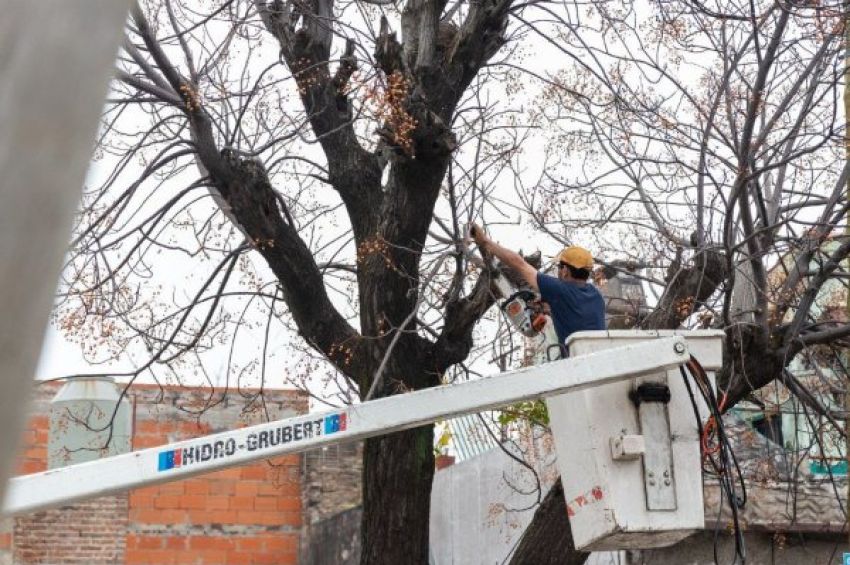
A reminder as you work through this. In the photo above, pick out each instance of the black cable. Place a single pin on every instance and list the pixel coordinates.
(725, 463)
(700, 432)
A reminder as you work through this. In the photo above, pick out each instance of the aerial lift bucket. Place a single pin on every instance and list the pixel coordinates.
(629, 451)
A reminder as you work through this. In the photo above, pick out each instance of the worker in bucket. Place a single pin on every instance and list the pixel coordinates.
(574, 303)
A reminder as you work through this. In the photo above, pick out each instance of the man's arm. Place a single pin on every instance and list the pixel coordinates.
(510, 258)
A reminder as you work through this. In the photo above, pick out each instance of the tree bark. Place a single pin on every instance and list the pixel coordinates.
(550, 542)
(397, 474)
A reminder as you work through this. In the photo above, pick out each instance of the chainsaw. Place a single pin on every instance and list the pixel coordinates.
(522, 306)
(524, 310)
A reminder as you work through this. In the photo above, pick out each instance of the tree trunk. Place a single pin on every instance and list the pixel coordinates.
(397, 474)
(551, 541)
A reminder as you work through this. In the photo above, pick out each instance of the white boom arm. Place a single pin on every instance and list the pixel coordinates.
(184, 459)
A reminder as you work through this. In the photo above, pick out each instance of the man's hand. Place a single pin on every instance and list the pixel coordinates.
(506, 256)
(479, 236)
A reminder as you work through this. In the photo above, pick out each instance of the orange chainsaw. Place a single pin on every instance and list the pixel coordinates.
(524, 310)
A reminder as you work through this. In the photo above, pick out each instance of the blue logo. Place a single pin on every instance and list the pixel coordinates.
(335, 423)
(846, 559)
(169, 460)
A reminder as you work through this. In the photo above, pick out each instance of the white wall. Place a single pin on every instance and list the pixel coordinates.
(480, 507)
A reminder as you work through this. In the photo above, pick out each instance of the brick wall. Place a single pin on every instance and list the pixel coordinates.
(6, 542)
(89, 532)
(242, 515)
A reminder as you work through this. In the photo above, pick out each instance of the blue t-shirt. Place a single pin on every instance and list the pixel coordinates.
(574, 307)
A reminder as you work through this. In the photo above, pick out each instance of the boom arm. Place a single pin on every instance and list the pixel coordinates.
(187, 458)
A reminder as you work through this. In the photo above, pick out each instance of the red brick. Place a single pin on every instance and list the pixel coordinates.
(176, 487)
(264, 518)
(289, 503)
(205, 556)
(176, 542)
(141, 441)
(242, 502)
(247, 489)
(213, 517)
(255, 472)
(197, 486)
(39, 423)
(265, 503)
(147, 491)
(138, 500)
(34, 453)
(165, 501)
(193, 502)
(212, 542)
(28, 467)
(148, 427)
(291, 489)
(233, 474)
(218, 498)
(146, 516)
(276, 559)
(247, 544)
(282, 543)
(149, 542)
(293, 460)
(149, 557)
(217, 502)
(224, 487)
(239, 558)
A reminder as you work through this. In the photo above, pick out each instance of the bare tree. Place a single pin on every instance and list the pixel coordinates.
(307, 169)
(303, 173)
(712, 140)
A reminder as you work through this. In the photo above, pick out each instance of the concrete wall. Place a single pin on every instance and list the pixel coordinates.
(761, 547)
(480, 507)
(335, 540)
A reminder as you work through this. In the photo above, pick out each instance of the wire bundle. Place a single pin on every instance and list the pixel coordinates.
(718, 458)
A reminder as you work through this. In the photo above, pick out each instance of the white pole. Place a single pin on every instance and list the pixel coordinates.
(183, 459)
(56, 57)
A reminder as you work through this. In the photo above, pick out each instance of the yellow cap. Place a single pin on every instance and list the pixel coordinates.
(577, 257)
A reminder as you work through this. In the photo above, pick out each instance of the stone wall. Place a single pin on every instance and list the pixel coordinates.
(332, 480)
(332, 504)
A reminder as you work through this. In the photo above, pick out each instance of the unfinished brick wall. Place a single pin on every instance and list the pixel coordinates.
(32, 459)
(88, 532)
(243, 515)
(6, 542)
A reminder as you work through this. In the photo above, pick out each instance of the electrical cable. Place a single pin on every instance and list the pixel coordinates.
(718, 457)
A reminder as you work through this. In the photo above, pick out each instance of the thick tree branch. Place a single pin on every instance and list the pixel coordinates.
(687, 289)
(253, 204)
(462, 314)
(353, 172)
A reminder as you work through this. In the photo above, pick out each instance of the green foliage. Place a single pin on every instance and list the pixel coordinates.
(442, 441)
(534, 412)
